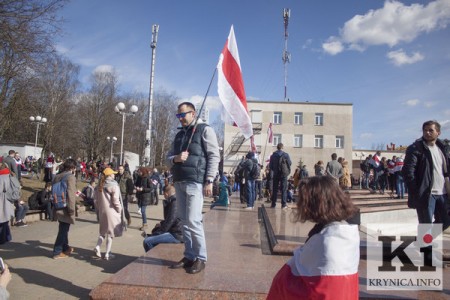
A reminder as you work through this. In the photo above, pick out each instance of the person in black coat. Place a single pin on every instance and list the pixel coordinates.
(426, 165)
(168, 230)
(45, 201)
(144, 190)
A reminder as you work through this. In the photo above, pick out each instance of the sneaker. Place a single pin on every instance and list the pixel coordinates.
(21, 224)
(139, 211)
(97, 253)
(68, 251)
(143, 227)
(129, 221)
(285, 207)
(61, 255)
(249, 208)
(109, 256)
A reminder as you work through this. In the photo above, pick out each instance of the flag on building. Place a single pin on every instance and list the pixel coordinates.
(270, 133)
(231, 86)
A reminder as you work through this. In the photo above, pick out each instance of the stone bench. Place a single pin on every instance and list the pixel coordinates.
(236, 267)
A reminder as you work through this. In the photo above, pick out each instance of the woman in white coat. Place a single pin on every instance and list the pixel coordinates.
(109, 207)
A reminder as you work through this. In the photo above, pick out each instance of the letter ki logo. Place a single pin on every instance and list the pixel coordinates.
(404, 256)
(408, 265)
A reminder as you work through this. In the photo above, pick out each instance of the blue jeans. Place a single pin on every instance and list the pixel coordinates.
(365, 180)
(62, 239)
(437, 207)
(153, 240)
(21, 210)
(250, 188)
(144, 214)
(189, 208)
(282, 181)
(400, 185)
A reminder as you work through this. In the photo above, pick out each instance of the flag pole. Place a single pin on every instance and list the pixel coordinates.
(265, 146)
(201, 108)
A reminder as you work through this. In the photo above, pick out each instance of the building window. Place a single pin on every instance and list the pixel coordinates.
(277, 117)
(298, 118)
(319, 119)
(256, 116)
(318, 141)
(276, 139)
(298, 140)
(339, 141)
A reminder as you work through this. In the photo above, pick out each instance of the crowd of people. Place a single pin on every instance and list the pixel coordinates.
(193, 162)
(381, 175)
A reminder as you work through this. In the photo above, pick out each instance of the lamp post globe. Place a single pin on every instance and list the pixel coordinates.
(38, 120)
(120, 109)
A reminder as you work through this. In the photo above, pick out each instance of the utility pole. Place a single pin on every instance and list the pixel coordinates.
(286, 55)
(148, 134)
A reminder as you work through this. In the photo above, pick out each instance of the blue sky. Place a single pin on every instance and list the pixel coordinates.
(390, 59)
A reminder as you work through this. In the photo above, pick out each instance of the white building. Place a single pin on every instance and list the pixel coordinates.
(309, 132)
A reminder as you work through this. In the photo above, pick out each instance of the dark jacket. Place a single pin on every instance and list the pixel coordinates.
(125, 183)
(145, 196)
(418, 172)
(170, 223)
(246, 169)
(194, 168)
(275, 162)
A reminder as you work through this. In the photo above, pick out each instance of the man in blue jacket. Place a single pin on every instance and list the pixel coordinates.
(278, 177)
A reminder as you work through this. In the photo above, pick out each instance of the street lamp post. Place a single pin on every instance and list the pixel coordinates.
(38, 120)
(120, 109)
(112, 140)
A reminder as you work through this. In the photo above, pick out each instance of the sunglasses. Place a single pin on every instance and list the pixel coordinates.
(182, 115)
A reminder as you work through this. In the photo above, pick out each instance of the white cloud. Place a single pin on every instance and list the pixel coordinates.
(412, 102)
(212, 102)
(399, 57)
(333, 47)
(447, 112)
(104, 69)
(445, 125)
(392, 24)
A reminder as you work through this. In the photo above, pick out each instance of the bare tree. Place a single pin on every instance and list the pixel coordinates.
(164, 125)
(97, 107)
(27, 29)
(53, 96)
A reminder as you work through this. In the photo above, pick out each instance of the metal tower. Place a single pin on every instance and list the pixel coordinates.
(286, 55)
(148, 133)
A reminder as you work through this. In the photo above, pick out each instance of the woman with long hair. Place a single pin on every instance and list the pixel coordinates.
(107, 200)
(326, 266)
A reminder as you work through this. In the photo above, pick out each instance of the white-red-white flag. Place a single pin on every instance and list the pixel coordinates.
(270, 133)
(325, 267)
(231, 86)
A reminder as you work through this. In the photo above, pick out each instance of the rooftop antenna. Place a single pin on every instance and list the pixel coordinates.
(286, 54)
(148, 134)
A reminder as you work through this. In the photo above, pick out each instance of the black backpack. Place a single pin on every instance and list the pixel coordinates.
(33, 201)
